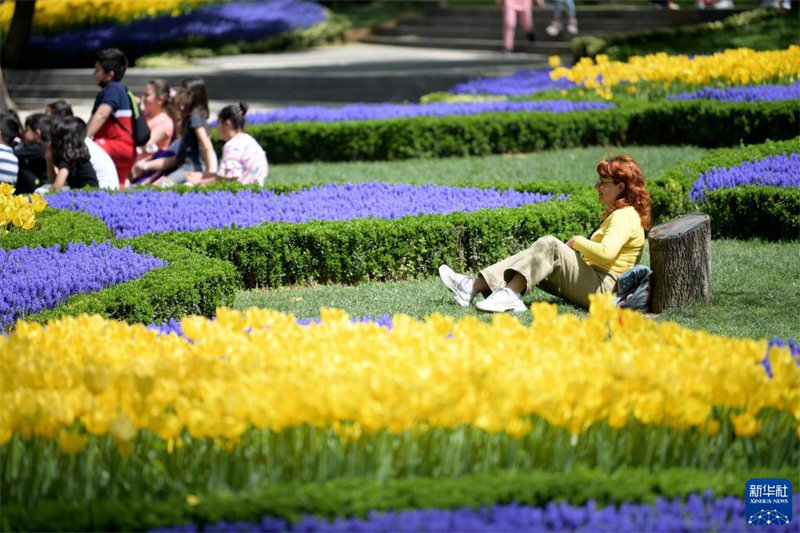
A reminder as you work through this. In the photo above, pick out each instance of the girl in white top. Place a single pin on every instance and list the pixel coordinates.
(243, 159)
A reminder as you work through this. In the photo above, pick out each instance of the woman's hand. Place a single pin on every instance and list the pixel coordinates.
(139, 169)
(194, 178)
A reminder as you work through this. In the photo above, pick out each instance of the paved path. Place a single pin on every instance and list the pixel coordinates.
(353, 72)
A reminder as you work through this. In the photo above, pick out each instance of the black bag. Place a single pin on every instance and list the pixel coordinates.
(141, 131)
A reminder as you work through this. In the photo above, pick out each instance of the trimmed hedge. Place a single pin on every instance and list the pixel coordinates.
(57, 226)
(191, 284)
(356, 497)
(771, 213)
(279, 254)
(704, 123)
(764, 212)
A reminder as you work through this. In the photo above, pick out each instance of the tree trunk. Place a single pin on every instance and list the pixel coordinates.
(19, 33)
(680, 257)
(6, 103)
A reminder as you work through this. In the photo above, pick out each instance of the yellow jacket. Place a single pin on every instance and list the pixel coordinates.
(617, 244)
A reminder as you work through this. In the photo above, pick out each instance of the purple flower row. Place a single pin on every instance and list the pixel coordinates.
(759, 93)
(228, 22)
(697, 513)
(34, 279)
(776, 171)
(139, 212)
(439, 109)
(519, 83)
(173, 327)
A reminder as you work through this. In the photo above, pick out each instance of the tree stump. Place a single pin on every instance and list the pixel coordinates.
(680, 257)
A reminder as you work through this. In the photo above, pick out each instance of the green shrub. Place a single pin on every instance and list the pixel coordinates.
(278, 254)
(192, 284)
(759, 29)
(699, 122)
(58, 226)
(742, 212)
(356, 497)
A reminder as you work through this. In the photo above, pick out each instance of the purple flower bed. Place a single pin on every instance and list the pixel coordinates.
(230, 22)
(439, 109)
(775, 171)
(761, 93)
(519, 83)
(34, 279)
(698, 513)
(139, 212)
(173, 326)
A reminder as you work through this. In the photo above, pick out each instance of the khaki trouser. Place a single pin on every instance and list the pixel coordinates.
(556, 268)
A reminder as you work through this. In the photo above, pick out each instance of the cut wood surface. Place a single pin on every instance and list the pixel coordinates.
(680, 257)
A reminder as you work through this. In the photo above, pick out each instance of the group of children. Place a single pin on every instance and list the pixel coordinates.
(57, 150)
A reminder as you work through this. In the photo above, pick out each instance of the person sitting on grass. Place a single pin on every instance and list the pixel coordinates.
(193, 150)
(32, 153)
(243, 159)
(558, 267)
(71, 166)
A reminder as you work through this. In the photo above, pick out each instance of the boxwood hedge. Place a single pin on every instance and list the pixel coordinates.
(706, 123)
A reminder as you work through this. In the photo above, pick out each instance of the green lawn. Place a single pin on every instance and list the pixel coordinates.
(573, 165)
(754, 294)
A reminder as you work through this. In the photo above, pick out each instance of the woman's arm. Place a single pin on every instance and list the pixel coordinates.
(51, 169)
(157, 135)
(206, 149)
(153, 165)
(60, 179)
(98, 119)
(616, 234)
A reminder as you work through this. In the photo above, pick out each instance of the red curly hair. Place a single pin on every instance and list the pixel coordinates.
(624, 169)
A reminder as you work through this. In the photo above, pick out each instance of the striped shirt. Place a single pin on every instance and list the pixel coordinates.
(9, 165)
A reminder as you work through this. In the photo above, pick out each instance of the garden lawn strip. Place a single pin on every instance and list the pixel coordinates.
(358, 497)
(753, 294)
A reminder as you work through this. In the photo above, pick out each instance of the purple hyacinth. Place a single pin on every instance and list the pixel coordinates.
(34, 279)
(776, 171)
(144, 211)
(757, 93)
(794, 350)
(519, 83)
(700, 512)
(439, 109)
(227, 22)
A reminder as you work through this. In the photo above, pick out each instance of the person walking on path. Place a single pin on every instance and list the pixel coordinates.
(556, 267)
(512, 8)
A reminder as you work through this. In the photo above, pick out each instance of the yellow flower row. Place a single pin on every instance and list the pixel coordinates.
(18, 211)
(259, 368)
(737, 66)
(57, 14)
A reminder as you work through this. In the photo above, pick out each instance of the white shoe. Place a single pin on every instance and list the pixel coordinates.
(502, 300)
(554, 28)
(459, 284)
(572, 28)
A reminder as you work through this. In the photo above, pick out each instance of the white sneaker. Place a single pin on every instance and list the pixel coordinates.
(553, 29)
(502, 300)
(572, 27)
(459, 284)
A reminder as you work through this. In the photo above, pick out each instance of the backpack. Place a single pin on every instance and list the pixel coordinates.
(634, 287)
(141, 131)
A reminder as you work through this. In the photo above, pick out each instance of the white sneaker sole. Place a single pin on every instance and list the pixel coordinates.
(445, 274)
(500, 309)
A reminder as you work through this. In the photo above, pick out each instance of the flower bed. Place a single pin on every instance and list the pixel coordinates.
(40, 278)
(227, 22)
(388, 111)
(765, 93)
(257, 382)
(700, 512)
(519, 83)
(142, 212)
(780, 170)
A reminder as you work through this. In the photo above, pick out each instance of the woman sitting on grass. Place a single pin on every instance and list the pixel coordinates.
(243, 159)
(556, 267)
